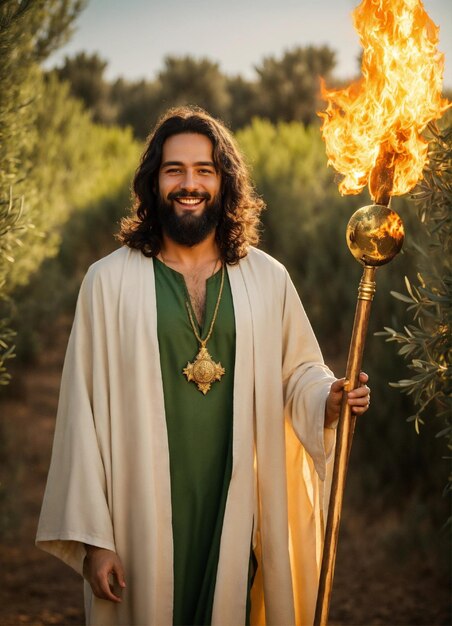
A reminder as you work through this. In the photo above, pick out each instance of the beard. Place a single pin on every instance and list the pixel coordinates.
(187, 229)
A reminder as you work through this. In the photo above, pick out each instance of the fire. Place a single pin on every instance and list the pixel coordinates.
(372, 128)
(392, 227)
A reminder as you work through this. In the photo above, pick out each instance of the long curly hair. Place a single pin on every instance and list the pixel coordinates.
(238, 227)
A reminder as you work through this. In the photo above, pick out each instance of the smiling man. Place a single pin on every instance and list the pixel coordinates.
(196, 419)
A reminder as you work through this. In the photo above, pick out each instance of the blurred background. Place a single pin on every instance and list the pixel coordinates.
(81, 86)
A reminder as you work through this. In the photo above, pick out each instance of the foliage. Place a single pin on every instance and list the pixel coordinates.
(78, 167)
(11, 226)
(425, 342)
(289, 87)
(85, 75)
(87, 235)
(136, 105)
(284, 89)
(303, 216)
(53, 158)
(245, 97)
(70, 163)
(185, 80)
(50, 23)
(29, 31)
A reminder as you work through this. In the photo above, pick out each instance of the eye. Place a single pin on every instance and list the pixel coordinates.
(173, 170)
(206, 171)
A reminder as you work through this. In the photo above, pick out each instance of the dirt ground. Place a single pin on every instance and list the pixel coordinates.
(375, 582)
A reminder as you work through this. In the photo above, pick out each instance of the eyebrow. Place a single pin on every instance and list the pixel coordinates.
(198, 163)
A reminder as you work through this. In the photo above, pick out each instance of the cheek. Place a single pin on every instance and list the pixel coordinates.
(161, 187)
(216, 190)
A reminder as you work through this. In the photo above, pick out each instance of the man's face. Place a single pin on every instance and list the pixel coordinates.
(189, 189)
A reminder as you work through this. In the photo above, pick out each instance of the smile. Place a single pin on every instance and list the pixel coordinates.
(191, 202)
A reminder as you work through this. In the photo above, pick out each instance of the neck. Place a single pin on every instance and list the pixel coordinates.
(190, 257)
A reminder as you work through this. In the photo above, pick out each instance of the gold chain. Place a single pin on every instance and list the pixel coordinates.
(187, 304)
(203, 371)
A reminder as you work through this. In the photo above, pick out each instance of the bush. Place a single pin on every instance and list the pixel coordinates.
(425, 341)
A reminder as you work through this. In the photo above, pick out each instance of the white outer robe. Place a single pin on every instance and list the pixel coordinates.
(109, 479)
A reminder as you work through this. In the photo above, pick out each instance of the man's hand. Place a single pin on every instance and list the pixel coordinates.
(358, 399)
(98, 565)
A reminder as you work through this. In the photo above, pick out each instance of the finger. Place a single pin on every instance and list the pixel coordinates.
(360, 392)
(99, 590)
(360, 401)
(119, 573)
(96, 589)
(363, 378)
(359, 405)
(359, 410)
(361, 398)
(106, 589)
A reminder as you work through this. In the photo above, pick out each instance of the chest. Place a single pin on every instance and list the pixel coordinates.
(177, 340)
(196, 287)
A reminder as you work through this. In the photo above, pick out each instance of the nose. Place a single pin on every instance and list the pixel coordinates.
(188, 181)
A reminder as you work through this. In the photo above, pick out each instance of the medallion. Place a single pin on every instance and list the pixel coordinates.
(203, 371)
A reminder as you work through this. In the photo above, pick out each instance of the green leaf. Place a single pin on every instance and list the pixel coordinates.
(402, 297)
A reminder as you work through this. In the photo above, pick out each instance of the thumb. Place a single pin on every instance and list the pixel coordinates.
(338, 385)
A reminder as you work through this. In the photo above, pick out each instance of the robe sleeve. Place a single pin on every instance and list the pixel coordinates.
(75, 510)
(306, 382)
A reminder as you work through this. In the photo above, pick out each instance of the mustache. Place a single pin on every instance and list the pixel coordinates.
(182, 193)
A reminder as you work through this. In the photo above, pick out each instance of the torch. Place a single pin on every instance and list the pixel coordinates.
(372, 130)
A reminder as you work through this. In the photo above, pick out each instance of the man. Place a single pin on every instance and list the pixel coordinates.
(196, 415)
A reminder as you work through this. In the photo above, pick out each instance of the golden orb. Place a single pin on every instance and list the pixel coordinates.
(375, 234)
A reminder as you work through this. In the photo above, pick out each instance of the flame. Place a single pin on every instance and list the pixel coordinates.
(372, 128)
(392, 227)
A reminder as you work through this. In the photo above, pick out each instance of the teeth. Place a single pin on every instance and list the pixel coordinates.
(189, 200)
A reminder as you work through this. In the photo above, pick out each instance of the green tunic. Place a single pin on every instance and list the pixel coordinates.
(199, 437)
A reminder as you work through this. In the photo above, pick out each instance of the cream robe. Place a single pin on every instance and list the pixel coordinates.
(109, 480)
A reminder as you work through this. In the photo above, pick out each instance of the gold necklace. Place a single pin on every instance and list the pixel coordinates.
(204, 371)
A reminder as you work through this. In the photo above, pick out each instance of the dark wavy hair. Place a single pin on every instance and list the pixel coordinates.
(238, 227)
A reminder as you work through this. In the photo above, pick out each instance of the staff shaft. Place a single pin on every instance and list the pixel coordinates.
(345, 432)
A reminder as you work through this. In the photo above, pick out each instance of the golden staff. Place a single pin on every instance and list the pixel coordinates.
(398, 94)
(374, 236)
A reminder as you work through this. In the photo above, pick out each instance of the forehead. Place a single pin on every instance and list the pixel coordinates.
(187, 148)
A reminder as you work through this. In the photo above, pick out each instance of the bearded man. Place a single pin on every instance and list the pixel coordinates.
(189, 472)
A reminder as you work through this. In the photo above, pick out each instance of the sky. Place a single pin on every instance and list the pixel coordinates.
(134, 36)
